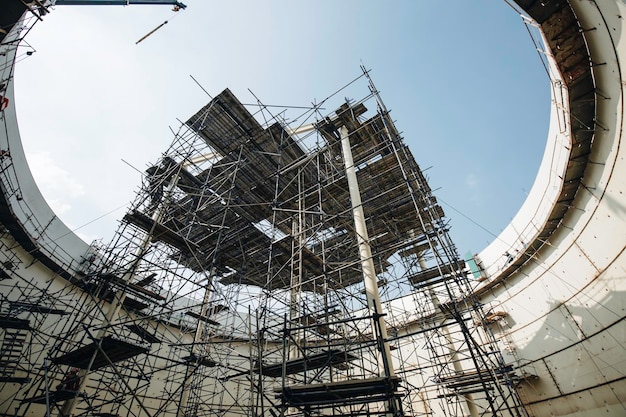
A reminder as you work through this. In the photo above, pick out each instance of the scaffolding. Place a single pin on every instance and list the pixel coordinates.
(267, 267)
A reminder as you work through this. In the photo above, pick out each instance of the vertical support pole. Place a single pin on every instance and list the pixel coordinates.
(367, 263)
(186, 388)
(45, 370)
(283, 408)
(253, 400)
(294, 288)
(296, 308)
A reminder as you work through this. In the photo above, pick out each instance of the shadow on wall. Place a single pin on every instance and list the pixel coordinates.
(615, 205)
(575, 362)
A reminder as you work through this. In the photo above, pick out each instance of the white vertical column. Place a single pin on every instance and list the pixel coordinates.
(365, 252)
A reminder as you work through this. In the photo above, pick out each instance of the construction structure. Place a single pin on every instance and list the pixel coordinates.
(266, 267)
(285, 263)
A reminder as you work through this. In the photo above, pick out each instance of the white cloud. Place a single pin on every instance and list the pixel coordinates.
(56, 184)
(471, 181)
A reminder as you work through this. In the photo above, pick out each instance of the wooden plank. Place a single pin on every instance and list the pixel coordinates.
(339, 392)
(202, 318)
(116, 351)
(298, 365)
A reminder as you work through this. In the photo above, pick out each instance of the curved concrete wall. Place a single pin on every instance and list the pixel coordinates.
(565, 300)
(23, 209)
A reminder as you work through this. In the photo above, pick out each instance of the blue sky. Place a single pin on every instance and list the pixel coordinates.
(463, 81)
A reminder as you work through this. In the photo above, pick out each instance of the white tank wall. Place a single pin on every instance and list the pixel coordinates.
(531, 217)
(566, 305)
(47, 231)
